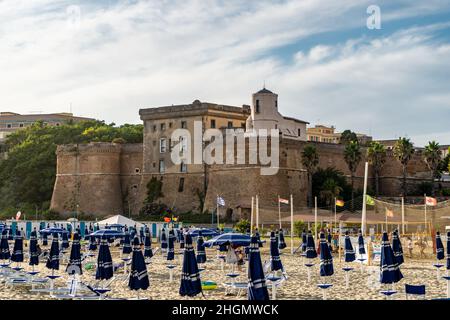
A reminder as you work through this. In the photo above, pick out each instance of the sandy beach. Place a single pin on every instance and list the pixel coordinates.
(363, 286)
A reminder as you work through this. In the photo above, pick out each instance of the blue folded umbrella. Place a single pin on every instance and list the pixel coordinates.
(326, 259)
(258, 238)
(104, 261)
(311, 252)
(17, 254)
(257, 289)
(148, 252)
(448, 250)
(329, 238)
(304, 241)
(53, 257)
(201, 254)
(397, 248)
(361, 248)
(4, 246)
(86, 233)
(171, 246)
(44, 239)
(75, 253)
(235, 239)
(281, 242)
(275, 261)
(390, 270)
(181, 235)
(439, 247)
(126, 245)
(34, 256)
(349, 252)
(190, 276)
(138, 274)
(65, 241)
(163, 239)
(92, 243)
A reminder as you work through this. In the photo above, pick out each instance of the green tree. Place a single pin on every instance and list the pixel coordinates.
(352, 156)
(433, 158)
(348, 136)
(330, 190)
(310, 160)
(403, 152)
(376, 155)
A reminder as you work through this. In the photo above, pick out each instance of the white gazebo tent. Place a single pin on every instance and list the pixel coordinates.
(119, 219)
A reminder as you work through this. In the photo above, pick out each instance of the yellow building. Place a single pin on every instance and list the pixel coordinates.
(321, 133)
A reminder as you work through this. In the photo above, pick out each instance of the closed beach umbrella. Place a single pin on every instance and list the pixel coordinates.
(361, 248)
(281, 242)
(258, 238)
(17, 254)
(53, 256)
(126, 248)
(86, 233)
(448, 250)
(390, 271)
(201, 254)
(171, 246)
(104, 261)
(92, 243)
(275, 261)
(348, 249)
(304, 241)
(65, 241)
(34, 256)
(190, 277)
(138, 275)
(148, 252)
(397, 248)
(44, 239)
(4, 246)
(141, 235)
(75, 253)
(181, 234)
(163, 239)
(439, 247)
(329, 238)
(257, 289)
(326, 259)
(311, 252)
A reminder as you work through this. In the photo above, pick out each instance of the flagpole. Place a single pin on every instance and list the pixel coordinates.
(363, 215)
(425, 227)
(251, 216)
(279, 211)
(217, 204)
(335, 214)
(257, 212)
(403, 215)
(292, 224)
(315, 217)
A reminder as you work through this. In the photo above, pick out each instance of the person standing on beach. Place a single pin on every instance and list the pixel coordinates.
(410, 247)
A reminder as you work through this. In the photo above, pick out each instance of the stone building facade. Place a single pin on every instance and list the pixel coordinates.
(108, 178)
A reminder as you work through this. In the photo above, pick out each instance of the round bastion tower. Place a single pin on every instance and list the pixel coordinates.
(88, 179)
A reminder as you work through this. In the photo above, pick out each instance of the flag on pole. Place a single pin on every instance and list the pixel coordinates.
(389, 213)
(430, 201)
(281, 200)
(175, 219)
(18, 214)
(340, 203)
(167, 219)
(220, 201)
(369, 200)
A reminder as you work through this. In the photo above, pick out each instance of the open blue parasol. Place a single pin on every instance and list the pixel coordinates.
(235, 239)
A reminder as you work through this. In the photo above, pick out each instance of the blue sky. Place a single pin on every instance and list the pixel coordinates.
(110, 58)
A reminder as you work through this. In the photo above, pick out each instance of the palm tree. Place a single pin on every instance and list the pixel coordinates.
(352, 156)
(432, 156)
(376, 155)
(330, 190)
(403, 151)
(310, 160)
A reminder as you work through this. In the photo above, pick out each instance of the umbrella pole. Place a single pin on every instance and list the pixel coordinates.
(274, 291)
(347, 279)
(309, 274)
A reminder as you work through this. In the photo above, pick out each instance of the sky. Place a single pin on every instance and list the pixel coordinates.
(107, 59)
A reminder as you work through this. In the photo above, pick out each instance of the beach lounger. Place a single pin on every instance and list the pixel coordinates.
(415, 291)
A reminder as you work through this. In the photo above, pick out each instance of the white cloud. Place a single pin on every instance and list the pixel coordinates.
(120, 58)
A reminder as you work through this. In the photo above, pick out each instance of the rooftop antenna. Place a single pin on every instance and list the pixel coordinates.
(264, 84)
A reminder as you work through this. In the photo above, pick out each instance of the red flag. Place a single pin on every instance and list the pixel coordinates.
(430, 201)
(167, 219)
(281, 200)
(18, 214)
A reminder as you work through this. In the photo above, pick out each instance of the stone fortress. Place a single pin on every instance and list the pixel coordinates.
(107, 178)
